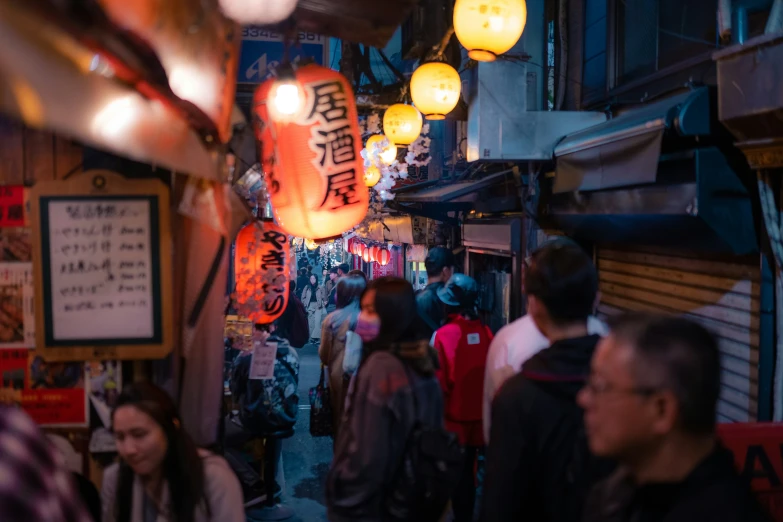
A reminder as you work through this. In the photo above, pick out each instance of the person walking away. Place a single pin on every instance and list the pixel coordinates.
(312, 299)
(334, 335)
(513, 345)
(394, 389)
(358, 273)
(301, 279)
(36, 484)
(162, 475)
(268, 410)
(440, 267)
(651, 403)
(462, 345)
(536, 458)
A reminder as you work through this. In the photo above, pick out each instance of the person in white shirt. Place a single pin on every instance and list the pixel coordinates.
(513, 345)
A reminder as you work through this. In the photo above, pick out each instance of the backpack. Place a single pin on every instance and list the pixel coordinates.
(300, 327)
(428, 474)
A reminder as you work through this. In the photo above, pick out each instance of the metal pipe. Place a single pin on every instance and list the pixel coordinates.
(724, 20)
(739, 25)
(775, 20)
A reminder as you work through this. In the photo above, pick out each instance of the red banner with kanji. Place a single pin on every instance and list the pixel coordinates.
(12, 206)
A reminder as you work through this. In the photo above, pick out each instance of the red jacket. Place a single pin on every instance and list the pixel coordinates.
(462, 347)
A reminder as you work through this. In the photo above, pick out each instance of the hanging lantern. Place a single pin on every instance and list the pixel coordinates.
(366, 255)
(402, 123)
(310, 244)
(488, 28)
(388, 152)
(249, 12)
(383, 257)
(372, 175)
(374, 252)
(313, 164)
(357, 248)
(261, 272)
(435, 89)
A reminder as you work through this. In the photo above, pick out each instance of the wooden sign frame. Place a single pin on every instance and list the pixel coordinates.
(103, 185)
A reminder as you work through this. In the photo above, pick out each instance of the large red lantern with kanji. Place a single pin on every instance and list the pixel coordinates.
(383, 257)
(310, 144)
(261, 272)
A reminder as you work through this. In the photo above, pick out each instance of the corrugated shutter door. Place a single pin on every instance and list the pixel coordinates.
(721, 294)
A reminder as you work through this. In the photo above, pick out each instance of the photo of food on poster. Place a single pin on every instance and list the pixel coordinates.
(54, 394)
(17, 320)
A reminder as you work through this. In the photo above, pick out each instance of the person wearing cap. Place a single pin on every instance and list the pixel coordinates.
(462, 345)
(440, 267)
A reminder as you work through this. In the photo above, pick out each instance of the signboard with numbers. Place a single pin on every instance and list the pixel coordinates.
(262, 51)
(102, 268)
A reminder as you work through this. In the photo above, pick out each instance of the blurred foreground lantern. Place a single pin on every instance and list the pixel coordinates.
(487, 28)
(402, 123)
(310, 244)
(265, 12)
(261, 272)
(383, 257)
(388, 149)
(435, 89)
(372, 175)
(312, 160)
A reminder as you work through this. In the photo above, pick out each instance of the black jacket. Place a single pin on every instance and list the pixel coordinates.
(713, 492)
(431, 308)
(536, 426)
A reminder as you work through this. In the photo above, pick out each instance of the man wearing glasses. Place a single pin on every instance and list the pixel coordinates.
(536, 456)
(650, 403)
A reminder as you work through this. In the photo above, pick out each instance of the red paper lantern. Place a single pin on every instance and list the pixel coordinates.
(383, 257)
(357, 248)
(374, 252)
(366, 254)
(312, 157)
(260, 270)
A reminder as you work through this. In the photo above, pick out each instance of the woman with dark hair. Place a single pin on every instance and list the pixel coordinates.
(162, 476)
(314, 301)
(337, 329)
(394, 390)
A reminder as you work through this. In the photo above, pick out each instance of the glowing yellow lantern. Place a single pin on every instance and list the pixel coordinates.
(402, 123)
(487, 28)
(372, 175)
(388, 153)
(310, 244)
(435, 89)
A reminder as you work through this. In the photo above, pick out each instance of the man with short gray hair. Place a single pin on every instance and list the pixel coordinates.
(650, 403)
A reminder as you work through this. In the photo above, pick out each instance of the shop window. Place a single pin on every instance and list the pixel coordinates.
(417, 275)
(655, 34)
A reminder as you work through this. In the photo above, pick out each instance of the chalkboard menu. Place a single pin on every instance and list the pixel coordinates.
(102, 265)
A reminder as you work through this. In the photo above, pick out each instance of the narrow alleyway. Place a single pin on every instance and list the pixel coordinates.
(306, 459)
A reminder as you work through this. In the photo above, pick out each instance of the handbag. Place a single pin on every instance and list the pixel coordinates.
(320, 409)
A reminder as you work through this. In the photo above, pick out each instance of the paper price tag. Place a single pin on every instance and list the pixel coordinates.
(262, 366)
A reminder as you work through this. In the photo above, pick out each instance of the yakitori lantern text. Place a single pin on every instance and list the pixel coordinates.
(312, 159)
(261, 272)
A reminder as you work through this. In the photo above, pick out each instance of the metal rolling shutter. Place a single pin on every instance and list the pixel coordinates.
(720, 293)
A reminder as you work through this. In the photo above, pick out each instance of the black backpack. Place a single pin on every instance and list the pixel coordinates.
(428, 474)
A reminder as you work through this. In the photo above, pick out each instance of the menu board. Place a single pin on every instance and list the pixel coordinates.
(100, 258)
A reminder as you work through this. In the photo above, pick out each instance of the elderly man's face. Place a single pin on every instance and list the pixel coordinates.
(620, 413)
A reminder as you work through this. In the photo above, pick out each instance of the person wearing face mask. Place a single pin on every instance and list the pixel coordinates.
(394, 388)
(162, 476)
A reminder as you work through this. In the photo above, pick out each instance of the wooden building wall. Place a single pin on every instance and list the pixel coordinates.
(27, 155)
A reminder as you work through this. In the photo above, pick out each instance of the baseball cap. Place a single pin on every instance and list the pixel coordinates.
(460, 290)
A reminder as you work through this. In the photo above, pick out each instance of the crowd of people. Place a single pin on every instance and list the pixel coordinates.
(570, 419)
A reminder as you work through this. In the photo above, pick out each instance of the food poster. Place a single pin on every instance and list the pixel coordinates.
(54, 394)
(104, 384)
(17, 319)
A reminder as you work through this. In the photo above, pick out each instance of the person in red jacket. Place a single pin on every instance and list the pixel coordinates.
(462, 345)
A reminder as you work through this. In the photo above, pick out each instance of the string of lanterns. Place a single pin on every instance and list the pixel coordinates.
(371, 253)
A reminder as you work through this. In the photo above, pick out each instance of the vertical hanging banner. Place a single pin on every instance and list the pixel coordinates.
(261, 269)
(12, 206)
(312, 158)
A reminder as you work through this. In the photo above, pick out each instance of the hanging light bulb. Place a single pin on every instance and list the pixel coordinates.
(286, 97)
(402, 123)
(264, 12)
(388, 153)
(435, 89)
(488, 28)
(372, 175)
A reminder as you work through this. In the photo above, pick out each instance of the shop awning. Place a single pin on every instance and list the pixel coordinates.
(625, 150)
(448, 192)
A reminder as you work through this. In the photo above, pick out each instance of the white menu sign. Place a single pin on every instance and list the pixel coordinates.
(100, 269)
